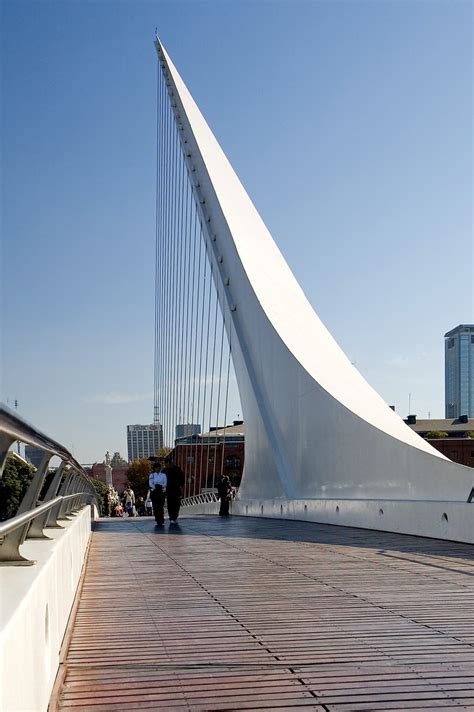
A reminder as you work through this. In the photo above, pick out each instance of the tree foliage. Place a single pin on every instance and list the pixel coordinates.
(100, 490)
(138, 474)
(16, 478)
(163, 452)
(436, 435)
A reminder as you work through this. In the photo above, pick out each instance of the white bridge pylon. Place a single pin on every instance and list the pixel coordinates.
(315, 429)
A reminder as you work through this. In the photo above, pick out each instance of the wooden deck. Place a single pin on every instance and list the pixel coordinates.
(253, 614)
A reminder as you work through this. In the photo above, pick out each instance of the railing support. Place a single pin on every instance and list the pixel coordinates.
(5, 441)
(37, 525)
(10, 548)
(33, 517)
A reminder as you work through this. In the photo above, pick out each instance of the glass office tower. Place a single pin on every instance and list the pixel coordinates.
(459, 371)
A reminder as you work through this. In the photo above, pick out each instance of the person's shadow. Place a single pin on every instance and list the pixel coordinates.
(175, 529)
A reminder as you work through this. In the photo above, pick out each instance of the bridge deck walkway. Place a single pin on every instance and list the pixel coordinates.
(254, 614)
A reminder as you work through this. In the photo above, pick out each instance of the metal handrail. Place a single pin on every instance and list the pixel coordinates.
(68, 492)
(15, 428)
(19, 519)
(203, 498)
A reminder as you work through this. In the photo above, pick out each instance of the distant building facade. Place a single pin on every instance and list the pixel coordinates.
(144, 440)
(459, 371)
(184, 430)
(454, 437)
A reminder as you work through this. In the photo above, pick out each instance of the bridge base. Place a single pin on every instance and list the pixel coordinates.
(35, 605)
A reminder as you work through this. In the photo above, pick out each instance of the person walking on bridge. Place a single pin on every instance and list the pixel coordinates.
(128, 498)
(175, 484)
(157, 483)
(224, 491)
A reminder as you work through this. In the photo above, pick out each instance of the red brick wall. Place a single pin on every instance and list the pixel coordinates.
(459, 450)
(119, 475)
(200, 472)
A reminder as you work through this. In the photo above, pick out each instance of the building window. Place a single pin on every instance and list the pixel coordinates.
(233, 462)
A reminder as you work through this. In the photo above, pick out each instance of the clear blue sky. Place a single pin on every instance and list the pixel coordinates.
(349, 123)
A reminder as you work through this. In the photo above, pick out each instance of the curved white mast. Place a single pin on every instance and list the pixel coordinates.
(314, 427)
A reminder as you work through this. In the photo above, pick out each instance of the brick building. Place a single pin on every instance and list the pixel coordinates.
(458, 444)
(203, 457)
(119, 472)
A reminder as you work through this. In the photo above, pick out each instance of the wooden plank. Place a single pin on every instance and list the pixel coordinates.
(261, 614)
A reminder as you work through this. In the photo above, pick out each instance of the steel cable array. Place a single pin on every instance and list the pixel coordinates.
(193, 363)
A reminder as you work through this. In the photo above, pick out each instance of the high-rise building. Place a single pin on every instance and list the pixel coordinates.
(459, 371)
(184, 430)
(144, 440)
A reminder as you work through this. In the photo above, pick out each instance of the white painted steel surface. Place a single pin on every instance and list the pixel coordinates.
(314, 427)
(35, 605)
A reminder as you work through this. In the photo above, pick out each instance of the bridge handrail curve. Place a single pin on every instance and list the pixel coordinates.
(15, 428)
(68, 491)
(203, 498)
(18, 520)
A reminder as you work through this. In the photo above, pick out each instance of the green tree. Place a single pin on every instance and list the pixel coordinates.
(469, 434)
(138, 474)
(16, 478)
(436, 435)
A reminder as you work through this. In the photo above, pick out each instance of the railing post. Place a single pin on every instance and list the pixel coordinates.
(77, 501)
(37, 525)
(31, 499)
(5, 442)
(70, 504)
(52, 521)
(60, 511)
(10, 546)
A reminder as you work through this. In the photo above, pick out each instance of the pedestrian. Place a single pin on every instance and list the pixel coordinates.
(148, 505)
(224, 490)
(128, 499)
(141, 507)
(157, 483)
(174, 490)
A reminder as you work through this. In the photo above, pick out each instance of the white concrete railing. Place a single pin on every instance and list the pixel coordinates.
(38, 583)
(36, 602)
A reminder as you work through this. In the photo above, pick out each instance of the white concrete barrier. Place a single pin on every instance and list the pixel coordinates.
(35, 603)
(452, 521)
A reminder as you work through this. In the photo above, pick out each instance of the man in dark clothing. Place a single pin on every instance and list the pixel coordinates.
(174, 488)
(157, 484)
(224, 490)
